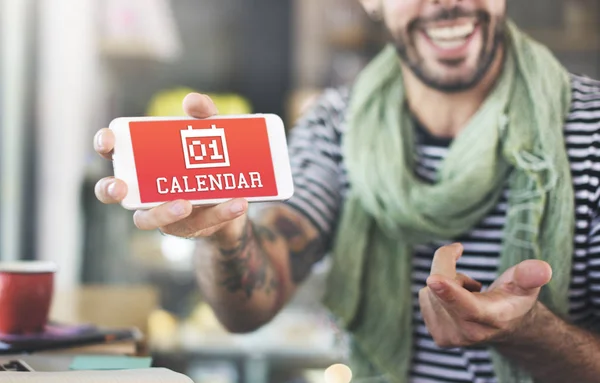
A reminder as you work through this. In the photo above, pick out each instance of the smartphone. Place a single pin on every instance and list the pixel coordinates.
(205, 161)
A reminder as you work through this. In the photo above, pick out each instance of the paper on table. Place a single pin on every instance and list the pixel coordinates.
(149, 375)
(109, 362)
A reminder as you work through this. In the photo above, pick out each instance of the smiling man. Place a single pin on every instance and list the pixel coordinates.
(455, 186)
(446, 48)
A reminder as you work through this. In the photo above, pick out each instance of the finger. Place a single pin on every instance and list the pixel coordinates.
(204, 219)
(163, 215)
(453, 297)
(468, 283)
(104, 143)
(529, 276)
(199, 106)
(444, 260)
(110, 190)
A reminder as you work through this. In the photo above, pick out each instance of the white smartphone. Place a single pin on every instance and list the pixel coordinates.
(205, 161)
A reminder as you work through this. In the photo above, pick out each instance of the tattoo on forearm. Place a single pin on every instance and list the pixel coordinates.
(304, 252)
(245, 267)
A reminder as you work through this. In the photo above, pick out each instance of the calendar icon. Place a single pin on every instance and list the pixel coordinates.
(204, 148)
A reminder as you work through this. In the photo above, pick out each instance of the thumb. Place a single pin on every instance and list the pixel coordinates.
(199, 106)
(529, 276)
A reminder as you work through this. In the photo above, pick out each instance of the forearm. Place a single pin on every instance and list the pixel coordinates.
(239, 280)
(248, 281)
(553, 351)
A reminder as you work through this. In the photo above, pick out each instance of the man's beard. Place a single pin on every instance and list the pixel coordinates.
(485, 60)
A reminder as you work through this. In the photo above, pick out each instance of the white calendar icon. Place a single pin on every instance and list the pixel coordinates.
(204, 148)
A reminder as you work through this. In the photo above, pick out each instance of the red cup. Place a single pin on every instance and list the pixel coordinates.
(25, 296)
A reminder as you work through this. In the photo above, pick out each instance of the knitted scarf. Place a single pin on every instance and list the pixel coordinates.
(516, 137)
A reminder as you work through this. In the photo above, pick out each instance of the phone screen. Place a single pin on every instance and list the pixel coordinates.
(202, 159)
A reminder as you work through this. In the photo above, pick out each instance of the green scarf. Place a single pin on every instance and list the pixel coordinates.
(516, 137)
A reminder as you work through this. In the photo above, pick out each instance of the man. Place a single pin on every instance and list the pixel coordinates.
(455, 185)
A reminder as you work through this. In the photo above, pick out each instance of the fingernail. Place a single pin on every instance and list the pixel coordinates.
(178, 209)
(112, 189)
(437, 287)
(99, 142)
(237, 207)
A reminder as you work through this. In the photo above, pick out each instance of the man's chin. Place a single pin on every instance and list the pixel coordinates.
(448, 75)
(452, 78)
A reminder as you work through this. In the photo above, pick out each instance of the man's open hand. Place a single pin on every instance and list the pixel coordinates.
(457, 314)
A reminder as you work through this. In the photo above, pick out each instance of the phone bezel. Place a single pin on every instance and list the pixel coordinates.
(124, 165)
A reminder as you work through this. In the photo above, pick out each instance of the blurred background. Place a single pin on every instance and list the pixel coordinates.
(68, 67)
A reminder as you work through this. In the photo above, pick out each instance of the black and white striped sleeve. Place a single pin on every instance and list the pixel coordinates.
(584, 143)
(315, 157)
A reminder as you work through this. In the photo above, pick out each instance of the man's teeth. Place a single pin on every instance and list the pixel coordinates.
(449, 44)
(450, 37)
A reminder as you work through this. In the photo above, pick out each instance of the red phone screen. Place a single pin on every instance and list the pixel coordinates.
(202, 159)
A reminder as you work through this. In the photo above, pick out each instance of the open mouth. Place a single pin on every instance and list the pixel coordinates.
(450, 37)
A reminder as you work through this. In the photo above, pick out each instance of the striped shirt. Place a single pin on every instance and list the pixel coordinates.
(321, 184)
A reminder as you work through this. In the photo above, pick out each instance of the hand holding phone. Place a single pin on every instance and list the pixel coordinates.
(193, 176)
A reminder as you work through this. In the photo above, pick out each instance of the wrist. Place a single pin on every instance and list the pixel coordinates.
(526, 330)
(233, 234)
